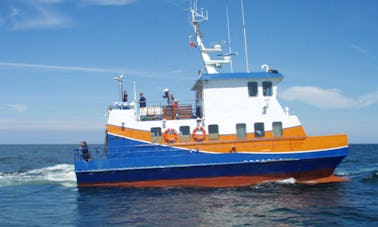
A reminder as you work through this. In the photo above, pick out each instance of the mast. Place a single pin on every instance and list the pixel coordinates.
(229, 37)
(245, 36)
(120, 83)
(211, 66)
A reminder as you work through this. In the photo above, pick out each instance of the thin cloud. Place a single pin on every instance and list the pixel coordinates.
(115, 71)
(50, 1)
(39, 16)
(19, 108)
(362, 51)
(14, 12)
(16, 124)
(108, 2)
(327, 98)
(178, 71)
(47, 14)
(358, 48)
(2, 21)
(59, 67)
(27, 15)
(369, 99)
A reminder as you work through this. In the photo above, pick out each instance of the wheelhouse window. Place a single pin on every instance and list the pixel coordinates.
(213, 132)
(252, 89)
(156, 135)
(277, 128)
(241, 130)
(267, 88)
(259, 129)
(184, 133)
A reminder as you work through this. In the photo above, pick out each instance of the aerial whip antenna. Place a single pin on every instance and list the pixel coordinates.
(229, 37)
(120, 82)
(245, 36)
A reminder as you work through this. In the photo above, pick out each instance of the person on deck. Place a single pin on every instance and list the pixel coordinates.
(175, 112)
(167, 95)
(84, 151)
(142, 101)
(124, 96)
(170, 100)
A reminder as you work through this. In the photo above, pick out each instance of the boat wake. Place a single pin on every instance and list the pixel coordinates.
(370, 177)
(290, 180)
(62, 174)
(323, 180)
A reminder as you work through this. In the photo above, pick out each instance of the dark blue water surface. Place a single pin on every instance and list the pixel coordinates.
(38, 188)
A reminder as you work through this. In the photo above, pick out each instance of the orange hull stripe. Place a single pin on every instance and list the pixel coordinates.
(214, 182)
(227, 144)
(146, 135)
(196, 182)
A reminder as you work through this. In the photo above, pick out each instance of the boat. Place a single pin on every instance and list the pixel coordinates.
(235, 134)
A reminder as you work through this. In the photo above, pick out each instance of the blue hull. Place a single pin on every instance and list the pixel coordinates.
(177, 165)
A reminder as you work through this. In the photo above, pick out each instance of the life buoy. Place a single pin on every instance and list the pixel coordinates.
(170, 135)
(199, 134)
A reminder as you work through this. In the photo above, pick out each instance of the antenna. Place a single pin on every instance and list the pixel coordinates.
(198, 16)
(245, 36)
(210, 65)
(120, 81)
(135, 92)
(229, 37)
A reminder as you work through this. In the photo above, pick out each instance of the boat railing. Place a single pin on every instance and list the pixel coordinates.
(158, 110)
(121, 106)
(98, 152)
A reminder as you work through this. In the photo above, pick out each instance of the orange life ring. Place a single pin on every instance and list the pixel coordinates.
(170, 135)
(199, 134)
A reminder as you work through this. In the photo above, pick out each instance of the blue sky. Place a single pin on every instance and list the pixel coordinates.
(58, 59)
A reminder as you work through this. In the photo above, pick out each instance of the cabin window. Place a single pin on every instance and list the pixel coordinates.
(184, 133)
(213, 132)
(259, 129)
(267, 88)
(252, 88)
(277, 128)
(156, 135)
(241, 130)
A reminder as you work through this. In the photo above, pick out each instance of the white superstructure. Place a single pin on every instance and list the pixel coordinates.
(233, 103)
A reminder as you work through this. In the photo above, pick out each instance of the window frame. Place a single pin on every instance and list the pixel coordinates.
(213, 134)
(253, 89)
(156, 134)
(259, 131)
(184, 132)
(267, 88)
(241, 130)
(275, 128)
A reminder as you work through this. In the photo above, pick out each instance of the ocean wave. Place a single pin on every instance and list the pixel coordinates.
(372, 177)
(62, 174)
(362, 170)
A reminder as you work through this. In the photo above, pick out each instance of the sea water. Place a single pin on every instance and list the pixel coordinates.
(38, 188)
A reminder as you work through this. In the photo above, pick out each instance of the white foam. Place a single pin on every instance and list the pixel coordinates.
(62, 174)
(290, 180)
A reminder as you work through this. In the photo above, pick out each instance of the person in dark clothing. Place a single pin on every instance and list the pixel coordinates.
(142, 101)
(124, 96)
(84, 151)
